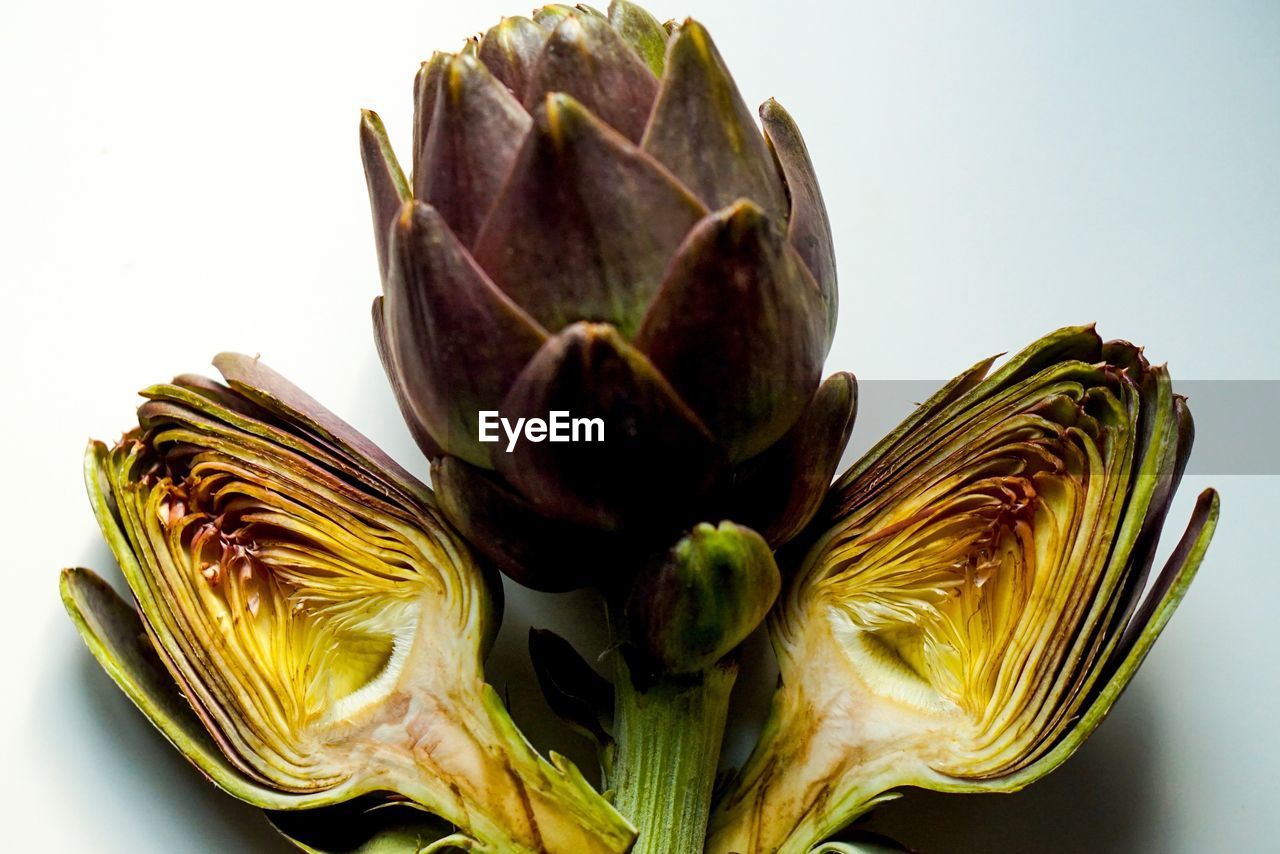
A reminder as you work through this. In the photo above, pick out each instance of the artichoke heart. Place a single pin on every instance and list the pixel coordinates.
(974, 605)
(318, 616)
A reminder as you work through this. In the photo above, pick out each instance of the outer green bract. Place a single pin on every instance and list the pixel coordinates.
(974, 606)
(702, 599)
(595, 224)
(318, 617)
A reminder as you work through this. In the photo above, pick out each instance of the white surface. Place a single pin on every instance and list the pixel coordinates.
(180, 179)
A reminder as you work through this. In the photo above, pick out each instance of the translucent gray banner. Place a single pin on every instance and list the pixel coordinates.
(1237, 421)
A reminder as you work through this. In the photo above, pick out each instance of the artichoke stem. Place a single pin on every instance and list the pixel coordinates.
(668, 742)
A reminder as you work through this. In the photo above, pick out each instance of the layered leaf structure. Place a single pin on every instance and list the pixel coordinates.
(596, 223)
(973, 604)
(316, 614)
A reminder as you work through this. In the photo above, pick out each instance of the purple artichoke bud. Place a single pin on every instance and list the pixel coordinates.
(596, 226)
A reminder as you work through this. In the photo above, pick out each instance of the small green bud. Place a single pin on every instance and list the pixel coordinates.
(704, 597)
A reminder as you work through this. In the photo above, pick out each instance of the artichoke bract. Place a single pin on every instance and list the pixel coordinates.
(974, 604)
(707, 594)
(596, 226)
(318, 616)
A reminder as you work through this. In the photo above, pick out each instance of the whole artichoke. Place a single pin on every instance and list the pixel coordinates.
(595, 225)
(317, 615)
(975, 604)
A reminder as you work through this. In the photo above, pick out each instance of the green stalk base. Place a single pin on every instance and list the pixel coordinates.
(668, 743)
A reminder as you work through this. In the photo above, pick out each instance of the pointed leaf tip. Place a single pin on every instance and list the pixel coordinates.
(510, 50)
(457, 342)
(642, 32)
(586, 58)
(702, 130)
(388, 187)
(736, 263)
(808, 228)
(551, 15)
(582, 255)
(426, 85)
(476, 130)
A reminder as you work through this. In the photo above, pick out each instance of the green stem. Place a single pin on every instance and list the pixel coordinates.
(668, 742)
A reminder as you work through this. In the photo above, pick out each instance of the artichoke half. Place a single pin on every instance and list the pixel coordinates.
(974, 605)
(318, 616)
(596, 225)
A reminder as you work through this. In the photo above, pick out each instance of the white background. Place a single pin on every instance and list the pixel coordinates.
(179, 179)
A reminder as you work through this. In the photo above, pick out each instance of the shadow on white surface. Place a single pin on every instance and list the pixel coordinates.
(100, 744)
(1098, 801)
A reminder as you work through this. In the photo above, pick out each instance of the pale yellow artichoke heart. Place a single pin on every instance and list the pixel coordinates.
(320, 619)
(287, 609)
(960, 594)
(974, 606)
